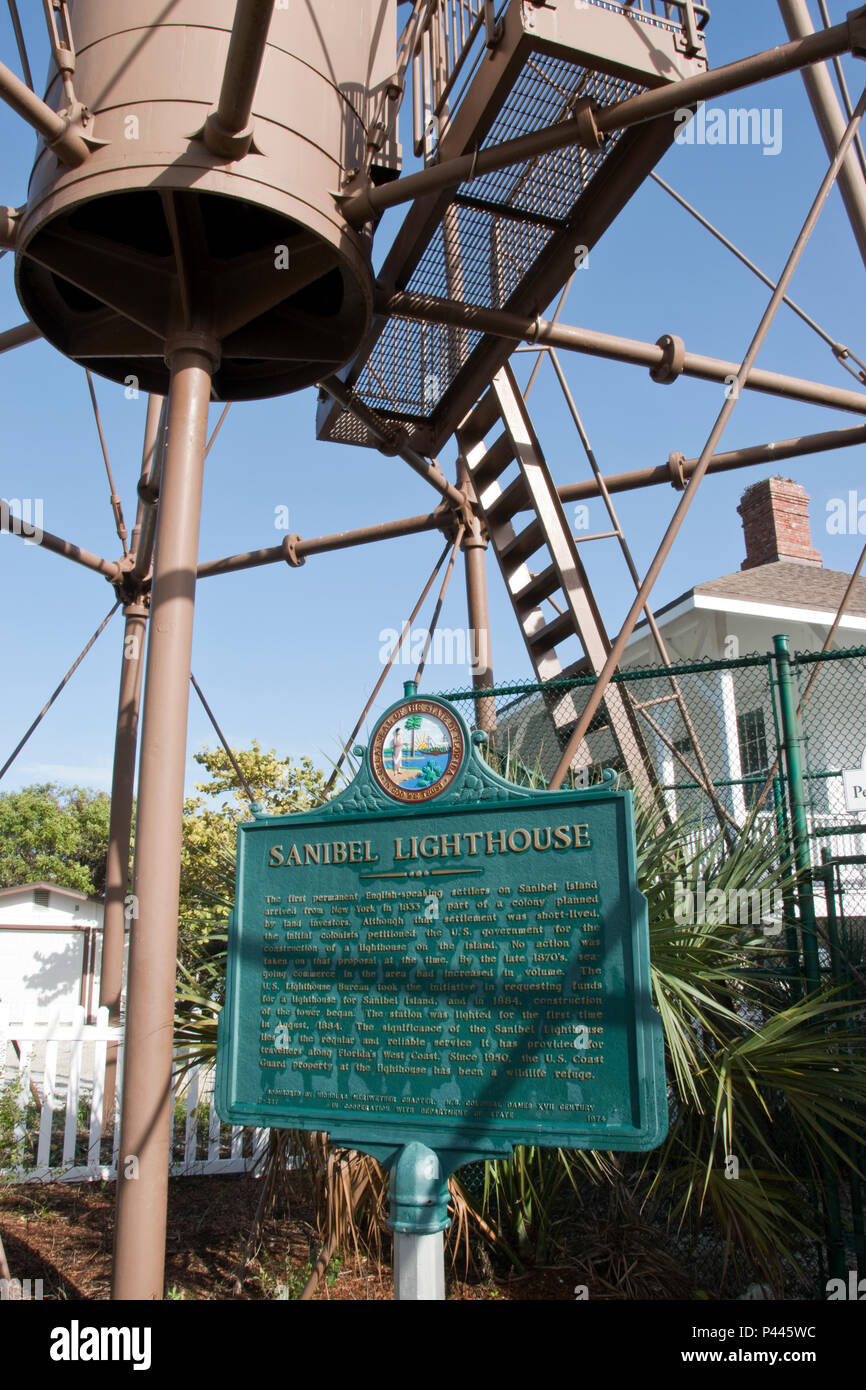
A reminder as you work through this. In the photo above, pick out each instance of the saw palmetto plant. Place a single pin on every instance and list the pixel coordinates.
(765, 1080)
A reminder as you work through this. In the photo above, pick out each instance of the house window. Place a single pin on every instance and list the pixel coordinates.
(679, 776)
(754, 761)
(683, 746)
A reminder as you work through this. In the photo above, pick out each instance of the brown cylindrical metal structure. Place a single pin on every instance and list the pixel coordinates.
(142, 1185)
(474, 549)
(119, 831)
(109, 254)
(664, 475)
(141, 543)
(831, 120)
(366, 203)
(149, 485)
(8, 226)
(655, 356)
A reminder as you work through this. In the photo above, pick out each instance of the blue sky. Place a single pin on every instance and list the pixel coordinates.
(289, 656)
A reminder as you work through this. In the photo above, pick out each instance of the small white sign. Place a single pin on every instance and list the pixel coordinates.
(855, 787)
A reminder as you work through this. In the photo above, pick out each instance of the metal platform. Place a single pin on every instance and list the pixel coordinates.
(508, 240)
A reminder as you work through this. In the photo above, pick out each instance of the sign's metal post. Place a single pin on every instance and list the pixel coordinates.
(419, 1268)
(419, 1215)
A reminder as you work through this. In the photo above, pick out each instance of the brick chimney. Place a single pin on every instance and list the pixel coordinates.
(775, 516)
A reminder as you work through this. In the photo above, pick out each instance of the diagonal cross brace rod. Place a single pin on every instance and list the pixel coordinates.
(830, 120)
(66, 679)
(385, 432)
(19, 40)
(704, 777)
(388, 664)
(840, 352)
(116, 504)
(222, 738)
(458, 541)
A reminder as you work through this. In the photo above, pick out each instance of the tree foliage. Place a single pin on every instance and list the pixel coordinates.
(53, 833)
(60, 835)
(281, 786)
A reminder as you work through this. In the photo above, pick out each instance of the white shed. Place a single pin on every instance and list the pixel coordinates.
(50, 949)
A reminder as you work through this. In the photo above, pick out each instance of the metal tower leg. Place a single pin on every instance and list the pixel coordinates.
(119, 829)
(831, 120)
(474, 551)
(142, 1185)
(126, 739)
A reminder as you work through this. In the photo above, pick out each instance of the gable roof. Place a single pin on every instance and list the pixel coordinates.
(51, 888)
(796, 586)
(783, 583)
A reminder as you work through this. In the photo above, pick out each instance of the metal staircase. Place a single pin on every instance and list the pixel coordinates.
(556, 569)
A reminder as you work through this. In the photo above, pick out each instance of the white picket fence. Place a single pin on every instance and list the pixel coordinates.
(62, 1057)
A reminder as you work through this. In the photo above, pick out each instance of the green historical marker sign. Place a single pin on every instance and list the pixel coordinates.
(438, 957)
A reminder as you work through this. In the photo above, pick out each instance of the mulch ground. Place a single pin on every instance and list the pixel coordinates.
(63, 1234)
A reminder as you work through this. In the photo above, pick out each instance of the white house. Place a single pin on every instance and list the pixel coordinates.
(782, 587)
(50, 950)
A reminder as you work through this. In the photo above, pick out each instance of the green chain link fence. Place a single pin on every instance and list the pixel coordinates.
(722, 735)
(713, 736)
